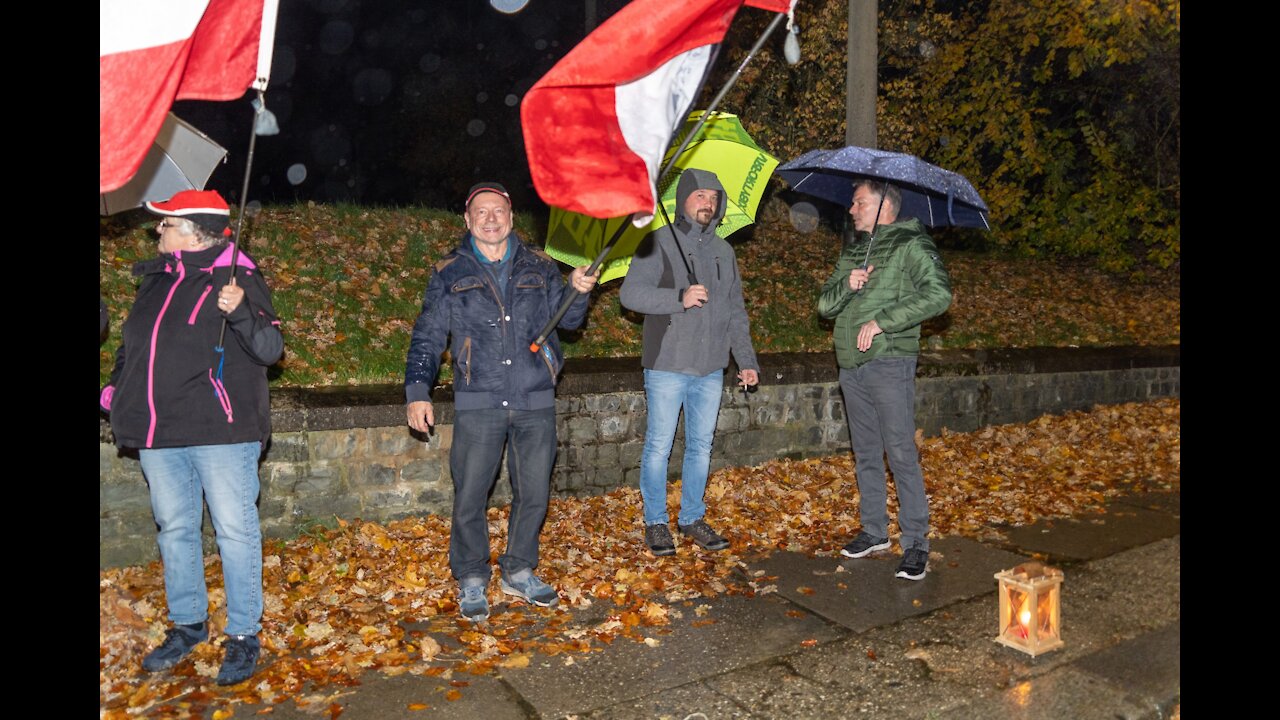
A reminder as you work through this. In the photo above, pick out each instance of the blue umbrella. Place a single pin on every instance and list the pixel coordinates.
(934, 196)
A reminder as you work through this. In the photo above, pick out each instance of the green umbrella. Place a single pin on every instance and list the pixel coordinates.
(721, 146)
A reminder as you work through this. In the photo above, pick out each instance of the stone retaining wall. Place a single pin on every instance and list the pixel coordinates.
(348, 452)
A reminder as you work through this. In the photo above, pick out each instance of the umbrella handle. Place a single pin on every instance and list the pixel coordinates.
(569, 297)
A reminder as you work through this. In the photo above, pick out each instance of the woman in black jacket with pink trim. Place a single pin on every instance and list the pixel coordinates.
(199, 415)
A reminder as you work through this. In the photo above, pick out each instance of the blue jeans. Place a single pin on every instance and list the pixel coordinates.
(227, 478)
(880, 404)
(474, 459)
(665, 393)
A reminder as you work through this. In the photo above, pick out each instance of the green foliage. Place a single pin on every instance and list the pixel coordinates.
(1063, 113)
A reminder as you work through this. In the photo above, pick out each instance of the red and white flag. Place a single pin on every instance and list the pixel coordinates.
(597, 124)
(153, 52)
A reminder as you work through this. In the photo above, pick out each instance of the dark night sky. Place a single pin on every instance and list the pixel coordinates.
(393, 102)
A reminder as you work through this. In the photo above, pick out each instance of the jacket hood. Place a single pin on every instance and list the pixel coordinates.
(695, 179)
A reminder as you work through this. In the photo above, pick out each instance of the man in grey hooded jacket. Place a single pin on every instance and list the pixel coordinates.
(687, 285)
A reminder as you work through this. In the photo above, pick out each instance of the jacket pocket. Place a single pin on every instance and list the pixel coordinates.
(552, 359)
(464, 360)
(530, 281)
(199, 304)
(470, 282)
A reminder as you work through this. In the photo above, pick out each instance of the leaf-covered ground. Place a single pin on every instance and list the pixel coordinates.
(368, 597)
(348, 281)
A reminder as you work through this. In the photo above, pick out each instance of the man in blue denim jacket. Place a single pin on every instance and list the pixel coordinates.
(487, 301)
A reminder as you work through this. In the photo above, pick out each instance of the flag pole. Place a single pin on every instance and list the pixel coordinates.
(244, 194)
(572, 295)
(569, 297)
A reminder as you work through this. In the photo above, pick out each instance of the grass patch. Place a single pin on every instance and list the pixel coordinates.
(347, 282)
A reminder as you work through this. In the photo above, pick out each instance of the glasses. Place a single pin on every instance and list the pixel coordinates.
(166, 224)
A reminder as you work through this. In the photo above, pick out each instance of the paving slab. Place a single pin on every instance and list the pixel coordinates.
(1062, 693)
(862, 687)
(392, 698)
(734, 632)
(863, 593)
(1148, 666)
(1093, 535)
(937, 662)
(1123, 596)
(677, 704)
(1169, 502)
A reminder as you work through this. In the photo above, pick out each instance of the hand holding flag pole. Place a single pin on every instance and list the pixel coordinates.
(264, 123)
(569, 297)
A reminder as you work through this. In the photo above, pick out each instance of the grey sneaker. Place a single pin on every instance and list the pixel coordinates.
(703, 535)
(179, 641)
(524, 584)
(241, 659)
(472, 603)
(863, 545)
(914, 565)
(658, 537)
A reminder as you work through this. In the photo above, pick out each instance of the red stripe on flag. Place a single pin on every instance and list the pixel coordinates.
(136, 89)
(138, 86)
(224, 51)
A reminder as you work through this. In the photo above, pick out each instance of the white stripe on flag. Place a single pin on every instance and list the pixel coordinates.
(125, 25)
(650, 109)
(266, 44)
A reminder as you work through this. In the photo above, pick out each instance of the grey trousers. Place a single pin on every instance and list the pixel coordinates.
(880, 404)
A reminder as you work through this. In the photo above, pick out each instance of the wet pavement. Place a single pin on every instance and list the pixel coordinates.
(844, 638)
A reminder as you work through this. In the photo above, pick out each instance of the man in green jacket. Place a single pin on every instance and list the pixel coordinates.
(887, 282)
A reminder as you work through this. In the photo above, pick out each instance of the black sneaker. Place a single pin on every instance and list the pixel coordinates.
(915, 563)
(863, 545)
(241, 659)
(702, 534)
(658, 537)
(179, 641)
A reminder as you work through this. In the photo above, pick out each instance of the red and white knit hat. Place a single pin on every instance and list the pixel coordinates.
(205, 208)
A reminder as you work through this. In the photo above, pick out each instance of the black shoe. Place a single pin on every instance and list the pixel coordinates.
(915, 563)
(179, 641)
(702, 534)
(658, 537)
(241, 659)
(863, 545)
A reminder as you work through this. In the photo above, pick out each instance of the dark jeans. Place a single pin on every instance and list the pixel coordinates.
(474, 460)
(880, 403)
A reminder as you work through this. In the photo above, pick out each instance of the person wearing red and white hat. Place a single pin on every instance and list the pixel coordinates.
(199, 415)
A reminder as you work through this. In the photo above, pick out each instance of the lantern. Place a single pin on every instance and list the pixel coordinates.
(1030, 607)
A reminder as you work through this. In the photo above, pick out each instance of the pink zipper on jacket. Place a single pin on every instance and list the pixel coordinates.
(196, 310)
(151, 360)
